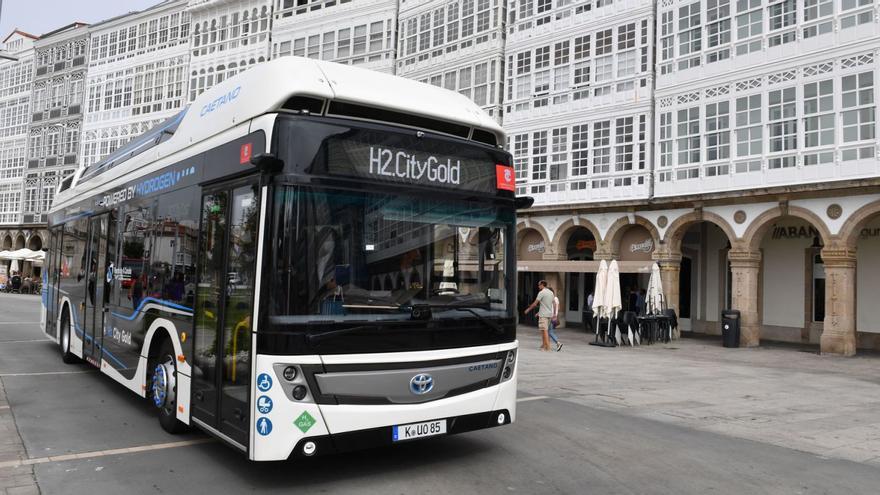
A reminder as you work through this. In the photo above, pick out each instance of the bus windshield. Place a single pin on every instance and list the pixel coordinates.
(346, 256)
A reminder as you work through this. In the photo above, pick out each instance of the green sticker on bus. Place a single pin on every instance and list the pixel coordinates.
(304, 421)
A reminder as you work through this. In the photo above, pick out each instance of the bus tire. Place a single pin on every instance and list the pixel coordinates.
(64, 340)
(163, 388)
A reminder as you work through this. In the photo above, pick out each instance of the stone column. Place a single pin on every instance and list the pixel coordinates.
(744, 269)
(670, 272)
(839, 328)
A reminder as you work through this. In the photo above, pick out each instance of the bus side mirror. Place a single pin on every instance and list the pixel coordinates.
(267, 163)
(523, 202)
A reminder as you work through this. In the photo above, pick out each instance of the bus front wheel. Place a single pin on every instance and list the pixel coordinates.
(163, 389)
(64, 340)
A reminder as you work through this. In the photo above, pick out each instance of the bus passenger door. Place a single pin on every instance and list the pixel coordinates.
(224, 308)
(99, 275)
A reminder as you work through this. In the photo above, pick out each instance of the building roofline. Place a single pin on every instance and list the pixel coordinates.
(160, 5)
(73, 25)
(19, 31)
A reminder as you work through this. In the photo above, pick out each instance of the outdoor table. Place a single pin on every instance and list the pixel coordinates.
(654, 328)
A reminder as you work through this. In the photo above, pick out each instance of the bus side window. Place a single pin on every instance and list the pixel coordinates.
(134, 262)
(73, 258)
(175, 242)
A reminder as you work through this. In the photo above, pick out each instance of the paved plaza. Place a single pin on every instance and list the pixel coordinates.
(688, 417)
(780, 395)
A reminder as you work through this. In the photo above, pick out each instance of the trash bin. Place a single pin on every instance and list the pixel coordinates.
(730, 328)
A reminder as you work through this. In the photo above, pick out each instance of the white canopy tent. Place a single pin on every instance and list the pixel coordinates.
(21, 255)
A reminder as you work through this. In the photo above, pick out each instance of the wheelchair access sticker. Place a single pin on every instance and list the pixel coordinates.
(264, 382)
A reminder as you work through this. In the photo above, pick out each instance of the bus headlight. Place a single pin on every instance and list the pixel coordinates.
(299, 392)
(289, 373)
(509, 363)
(293, 379)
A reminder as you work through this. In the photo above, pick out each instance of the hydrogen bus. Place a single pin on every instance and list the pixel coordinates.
(310, 258)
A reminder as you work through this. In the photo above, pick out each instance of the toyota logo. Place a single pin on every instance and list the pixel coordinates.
(421, 384)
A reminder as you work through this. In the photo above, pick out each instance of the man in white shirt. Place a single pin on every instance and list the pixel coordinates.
(544, 301)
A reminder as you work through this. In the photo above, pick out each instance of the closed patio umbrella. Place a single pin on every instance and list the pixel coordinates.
(599, 293)
(655, 291)
(612, 295)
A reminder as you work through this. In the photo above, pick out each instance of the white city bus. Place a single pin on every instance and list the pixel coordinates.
(310, 258)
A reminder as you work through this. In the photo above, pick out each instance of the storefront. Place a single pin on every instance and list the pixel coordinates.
(635, 258)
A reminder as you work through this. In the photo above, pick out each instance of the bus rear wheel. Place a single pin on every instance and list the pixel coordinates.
(64, 340)
(163, 389)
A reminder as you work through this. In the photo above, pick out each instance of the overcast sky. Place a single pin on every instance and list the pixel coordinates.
(41, 16)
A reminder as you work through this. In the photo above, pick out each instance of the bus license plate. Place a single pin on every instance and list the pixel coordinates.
(418, 430)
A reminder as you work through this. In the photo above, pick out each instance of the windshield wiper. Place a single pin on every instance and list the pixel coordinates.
(498, 329)
(319, 337)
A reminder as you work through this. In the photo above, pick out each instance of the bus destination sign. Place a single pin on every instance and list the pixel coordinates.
(416, 162)
(402, 165)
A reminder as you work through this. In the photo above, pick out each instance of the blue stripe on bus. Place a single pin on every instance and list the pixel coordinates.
(161, 302)
(104, 350)
(74, 217)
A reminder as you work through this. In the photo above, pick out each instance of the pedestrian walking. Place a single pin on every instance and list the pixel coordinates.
(544, 302)
(554, 321)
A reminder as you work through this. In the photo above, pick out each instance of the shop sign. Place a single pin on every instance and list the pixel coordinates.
(637, 244)
(868, 232)
(584, 245)
(645, 246)
(531, 247)
(792, 232)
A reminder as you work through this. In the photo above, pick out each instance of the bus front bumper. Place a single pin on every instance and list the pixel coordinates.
(383, 436)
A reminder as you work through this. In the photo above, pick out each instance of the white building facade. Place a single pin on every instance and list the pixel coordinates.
(137, 76)
(765, 173)
(578, 113)
(228, 36)
(16, 86)
(457, 45)
(354, 32)
(57, 105)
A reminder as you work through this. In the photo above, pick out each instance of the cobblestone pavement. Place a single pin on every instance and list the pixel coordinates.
(19, 480)
(824, 405)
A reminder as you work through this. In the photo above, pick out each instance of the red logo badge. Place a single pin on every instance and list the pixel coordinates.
(505, 178)
(244, 156)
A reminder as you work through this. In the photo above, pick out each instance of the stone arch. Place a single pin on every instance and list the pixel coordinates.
(564, 232)
(758, 227)
(849, 232)
(619, 227)
(676, 231)
(522, 228)
(7, 243)
(19, 242)
(35, 243)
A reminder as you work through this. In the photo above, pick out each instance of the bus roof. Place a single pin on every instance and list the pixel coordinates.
(296, 84)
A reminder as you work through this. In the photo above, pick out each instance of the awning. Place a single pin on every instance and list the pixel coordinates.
(580, 266)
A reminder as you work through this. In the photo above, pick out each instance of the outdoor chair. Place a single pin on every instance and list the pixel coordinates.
(630, 323)
(15, 285)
